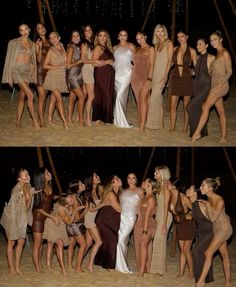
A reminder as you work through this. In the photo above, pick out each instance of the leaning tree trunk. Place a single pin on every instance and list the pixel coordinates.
(54, 172)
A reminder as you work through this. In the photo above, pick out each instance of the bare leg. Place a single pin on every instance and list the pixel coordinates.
(51, 109)
(222, 117)
(182, 259)
(71, 104)
(212, 248)
(60, 255)
(186, 102)
(80, 239)
(60, 107)
(41, 105)
(49, 255)
(226, 264)
(143, 249)
(173, 111)
(210, 101)
(20, 107)
(30, 96)
(137, 249)
(70, 252)
(36, 250)
(143, 99)
(19, 248)
(97, 243)
(188, 255)
(10, 246)
(89, 103)
(81, 98)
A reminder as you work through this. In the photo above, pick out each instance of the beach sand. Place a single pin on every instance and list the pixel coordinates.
(102, 277)
(108, 134)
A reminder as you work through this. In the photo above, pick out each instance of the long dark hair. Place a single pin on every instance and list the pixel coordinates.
(83, 39)
(39, 183)
(175, 181)
(89, 188)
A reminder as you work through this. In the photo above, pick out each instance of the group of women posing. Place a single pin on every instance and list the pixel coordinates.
(101, 76)
(102, 217)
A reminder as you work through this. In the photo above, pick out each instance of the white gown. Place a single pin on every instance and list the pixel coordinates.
(129, 201)
(123, 72)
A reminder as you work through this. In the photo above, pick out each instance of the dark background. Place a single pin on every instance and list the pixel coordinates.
(114, 15)
(77, 162)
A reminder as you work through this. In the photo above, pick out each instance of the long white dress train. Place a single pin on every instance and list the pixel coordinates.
(129, 201)
(123, 72)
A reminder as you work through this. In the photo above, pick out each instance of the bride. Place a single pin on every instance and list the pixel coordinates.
(123, 54)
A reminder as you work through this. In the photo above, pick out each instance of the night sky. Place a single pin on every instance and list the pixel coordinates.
(114, 15)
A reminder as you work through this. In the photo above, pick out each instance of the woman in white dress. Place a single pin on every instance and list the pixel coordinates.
(123, 54)
(130, 199)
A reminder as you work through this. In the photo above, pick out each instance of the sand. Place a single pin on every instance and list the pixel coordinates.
(108, 134)
(102, 277)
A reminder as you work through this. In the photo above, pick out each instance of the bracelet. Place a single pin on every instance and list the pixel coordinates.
(149, 79)
(145, 232)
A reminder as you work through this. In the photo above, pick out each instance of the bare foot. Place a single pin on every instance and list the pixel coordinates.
(200, 285)
(228, 284)
(64, 272)
(88, 123)
(179, 276)
(18, 125)
(70, 123)
(19, 272)
(223, 140)
(66, 126)
(79, 270)
(171, 130)
(81, 123)
(42, 124)
(51, 123)
(70, 268)
(89, 267)
(195, 137)
(13, 272)
(50, 268)
(36, 125)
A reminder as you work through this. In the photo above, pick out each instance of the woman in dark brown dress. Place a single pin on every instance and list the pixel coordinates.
(43, 202)
(180, 206)
(104, 75)
(181, 82)
(42, 45)
(201, 86)
(74, 78)
(108, 223)
(204, 235)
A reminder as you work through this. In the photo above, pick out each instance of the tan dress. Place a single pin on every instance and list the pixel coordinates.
(155, 111)
(15, 216)
(140, 73)
(88, 70)
(158, 263)
(89, 218)
(53, 232)
(56, 78)
(222, 228)
(219, 77)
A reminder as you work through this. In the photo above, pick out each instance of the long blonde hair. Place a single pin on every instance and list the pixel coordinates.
(165, 175)
(154, 37)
